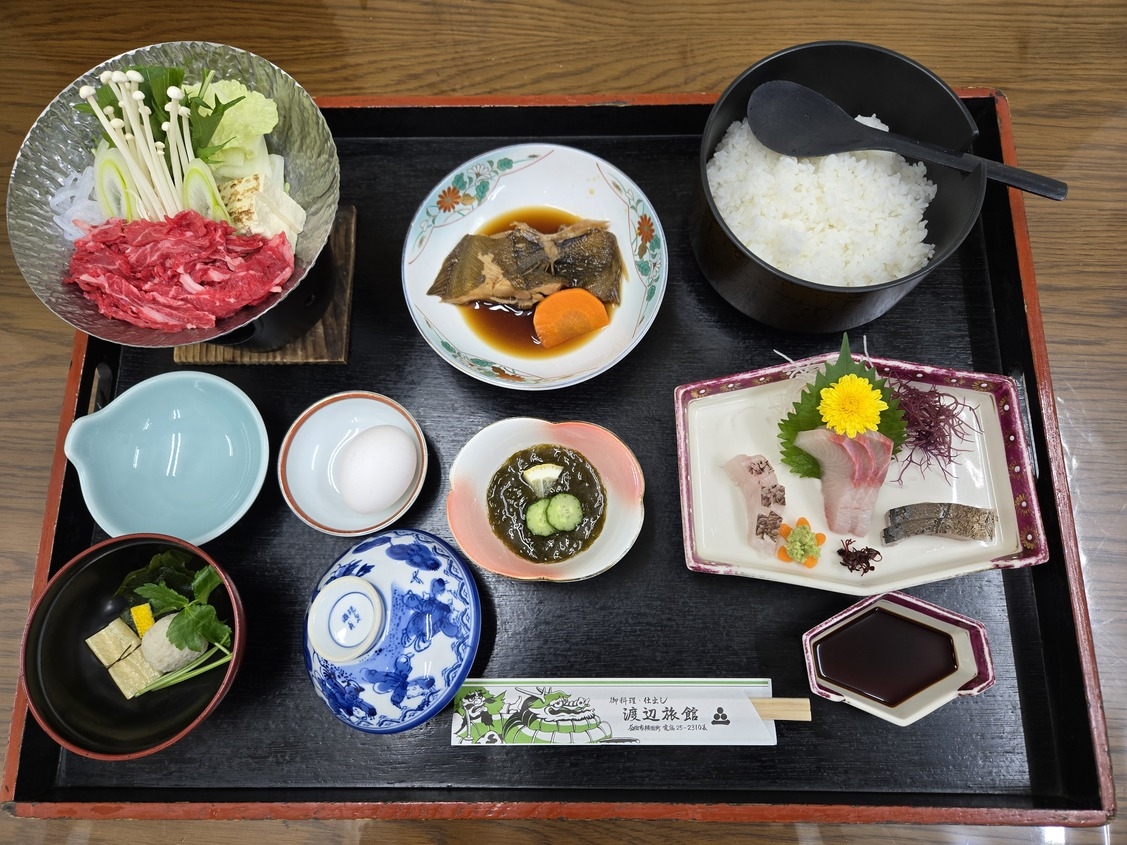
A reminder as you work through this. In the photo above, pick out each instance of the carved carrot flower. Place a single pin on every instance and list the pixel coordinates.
(802, 545)
(851, 405)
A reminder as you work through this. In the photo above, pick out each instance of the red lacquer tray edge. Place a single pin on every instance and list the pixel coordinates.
(1096, 718)
(720, 812)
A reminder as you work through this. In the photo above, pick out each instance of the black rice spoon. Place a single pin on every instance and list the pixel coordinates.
(794, 120)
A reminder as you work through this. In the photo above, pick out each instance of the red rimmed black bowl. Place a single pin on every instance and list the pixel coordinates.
(71, 694)
(865, 80)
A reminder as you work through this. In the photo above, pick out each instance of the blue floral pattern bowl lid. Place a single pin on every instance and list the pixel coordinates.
(392, 630)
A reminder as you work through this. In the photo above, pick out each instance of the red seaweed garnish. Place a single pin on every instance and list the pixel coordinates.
(934, 421)
(858, 560)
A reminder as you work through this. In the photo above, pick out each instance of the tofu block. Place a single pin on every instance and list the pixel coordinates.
(132, 673)
(258, 204)
(113, 642)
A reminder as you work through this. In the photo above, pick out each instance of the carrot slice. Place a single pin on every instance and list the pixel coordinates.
(568, 313)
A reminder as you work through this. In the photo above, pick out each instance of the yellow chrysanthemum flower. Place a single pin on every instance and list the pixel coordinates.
(851, 406)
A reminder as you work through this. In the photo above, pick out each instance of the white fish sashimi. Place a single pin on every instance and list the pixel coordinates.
(853, 470)
(764, 498)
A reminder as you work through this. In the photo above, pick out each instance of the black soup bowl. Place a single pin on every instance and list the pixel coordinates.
(70, 693)
(863, 79)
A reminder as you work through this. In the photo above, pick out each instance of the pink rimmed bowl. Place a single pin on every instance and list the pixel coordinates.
(481, 457)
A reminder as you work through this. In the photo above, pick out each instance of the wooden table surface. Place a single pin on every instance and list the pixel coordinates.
(1061, 65)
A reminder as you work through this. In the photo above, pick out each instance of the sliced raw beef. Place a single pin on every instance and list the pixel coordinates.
(183, 272)
(853, 470)
(764, 497)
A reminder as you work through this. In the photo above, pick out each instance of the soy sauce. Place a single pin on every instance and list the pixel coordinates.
(885, 657)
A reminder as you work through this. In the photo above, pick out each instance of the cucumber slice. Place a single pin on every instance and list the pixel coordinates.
(542, 478)
(564, 512)
(536, 518)
(201, 193)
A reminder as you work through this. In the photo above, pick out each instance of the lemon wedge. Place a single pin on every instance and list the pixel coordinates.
(542, 478)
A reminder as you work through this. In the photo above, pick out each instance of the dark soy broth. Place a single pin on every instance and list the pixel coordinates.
(542, 218)
(885, 656)
(505, 327)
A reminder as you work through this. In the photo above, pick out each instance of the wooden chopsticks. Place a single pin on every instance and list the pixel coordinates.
(782, 709)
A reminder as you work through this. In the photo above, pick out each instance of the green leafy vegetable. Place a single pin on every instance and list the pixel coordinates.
(169, 568)
(160, 129)
(805, 416)
(170, 587)
(156, 80)
(196, 623)
(225, 132)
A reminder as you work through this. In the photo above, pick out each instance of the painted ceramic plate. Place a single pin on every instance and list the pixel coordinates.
(428, 626)
(720, 418)
(973, 665)
(473, 469)
(307, 468)
(493, 186)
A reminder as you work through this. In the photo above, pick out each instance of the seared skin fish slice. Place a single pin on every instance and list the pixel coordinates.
(941, 519)
(764, 498)
(521, 266)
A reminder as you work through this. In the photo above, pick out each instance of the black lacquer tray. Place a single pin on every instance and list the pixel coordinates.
(1031, 749)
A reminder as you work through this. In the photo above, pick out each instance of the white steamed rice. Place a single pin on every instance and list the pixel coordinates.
(849, 219)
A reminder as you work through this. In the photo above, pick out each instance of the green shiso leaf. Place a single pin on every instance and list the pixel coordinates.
(804, 415)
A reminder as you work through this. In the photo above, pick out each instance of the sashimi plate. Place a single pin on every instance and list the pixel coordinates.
(720, 418)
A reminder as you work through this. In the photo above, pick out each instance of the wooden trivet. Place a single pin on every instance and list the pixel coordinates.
(327, 341)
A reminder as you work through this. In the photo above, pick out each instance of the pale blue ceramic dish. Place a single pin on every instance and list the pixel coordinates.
(183, 453)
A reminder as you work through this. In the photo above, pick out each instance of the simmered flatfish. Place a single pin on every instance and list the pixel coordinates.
(521, 266)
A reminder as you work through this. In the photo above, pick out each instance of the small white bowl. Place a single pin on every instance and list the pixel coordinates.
(973, 665)
(509, 179)
(467, 510)
(316, 439)
(183, 453)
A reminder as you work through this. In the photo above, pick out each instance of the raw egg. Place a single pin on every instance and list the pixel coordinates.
(375, 468)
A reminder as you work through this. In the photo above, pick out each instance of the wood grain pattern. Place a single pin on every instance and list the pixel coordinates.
(1061, 66)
